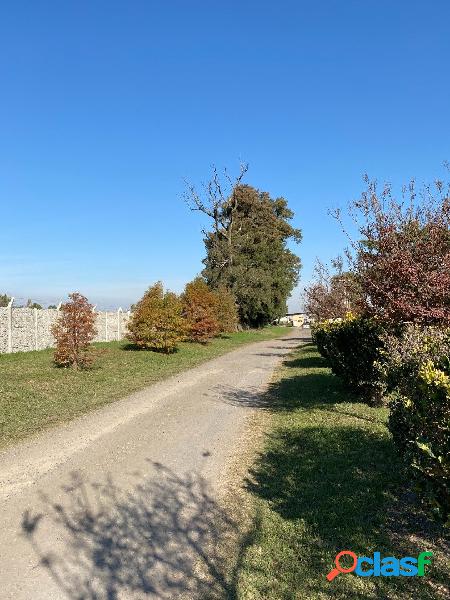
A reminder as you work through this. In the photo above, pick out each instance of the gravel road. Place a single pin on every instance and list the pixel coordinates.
(123, 503)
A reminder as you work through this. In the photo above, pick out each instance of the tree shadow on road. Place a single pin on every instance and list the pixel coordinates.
(313, 390)
(162, 538)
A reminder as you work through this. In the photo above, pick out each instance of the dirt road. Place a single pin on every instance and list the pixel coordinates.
(121, 502)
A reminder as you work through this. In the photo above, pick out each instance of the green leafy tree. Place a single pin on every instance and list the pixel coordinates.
(4, 300)
(246, 249)
(157, 322)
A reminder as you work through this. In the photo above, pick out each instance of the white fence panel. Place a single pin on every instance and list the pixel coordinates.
(25, 329)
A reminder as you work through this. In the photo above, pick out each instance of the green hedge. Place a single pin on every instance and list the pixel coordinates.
(410, 370)
(351, 347)
(416, 370)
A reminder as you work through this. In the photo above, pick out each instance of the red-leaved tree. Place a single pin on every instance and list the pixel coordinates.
(74, 331)
(402, 259)
(200, 311)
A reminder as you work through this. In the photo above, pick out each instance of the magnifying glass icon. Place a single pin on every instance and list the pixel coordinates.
(339, 569)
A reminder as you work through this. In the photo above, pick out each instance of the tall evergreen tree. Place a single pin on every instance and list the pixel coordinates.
(246, 250)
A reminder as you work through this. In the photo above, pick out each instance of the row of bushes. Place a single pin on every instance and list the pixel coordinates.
(397, 350)
(162, 319)
(409, 369)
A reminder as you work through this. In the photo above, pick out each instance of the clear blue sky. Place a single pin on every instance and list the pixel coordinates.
(106, 106)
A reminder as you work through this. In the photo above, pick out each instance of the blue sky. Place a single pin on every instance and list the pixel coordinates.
(105, 107)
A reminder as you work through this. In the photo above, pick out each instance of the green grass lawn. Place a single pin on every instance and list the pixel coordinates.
(34, 394)
(327, 480)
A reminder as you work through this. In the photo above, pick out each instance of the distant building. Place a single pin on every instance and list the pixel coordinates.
(299, 319)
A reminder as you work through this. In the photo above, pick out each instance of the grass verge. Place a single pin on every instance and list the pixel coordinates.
(326, 480)
(34, 394)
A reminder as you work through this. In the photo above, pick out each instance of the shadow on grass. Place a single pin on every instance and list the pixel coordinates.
(307, 362)
(161, 538)
(299, 338)
(327, 477)
(331, 473)
(130, 347)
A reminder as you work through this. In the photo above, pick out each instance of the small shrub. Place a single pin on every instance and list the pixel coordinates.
(200, 306)
(351, 347)
(157, 322)
(226, 311)
(74, 331)
(416, 369)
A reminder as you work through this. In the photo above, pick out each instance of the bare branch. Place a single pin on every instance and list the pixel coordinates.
(218, 201)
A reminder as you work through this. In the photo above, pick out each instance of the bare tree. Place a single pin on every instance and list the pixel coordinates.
(332, 293)
(218, 201)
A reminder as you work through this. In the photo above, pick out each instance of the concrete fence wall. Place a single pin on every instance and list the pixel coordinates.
(24, 329)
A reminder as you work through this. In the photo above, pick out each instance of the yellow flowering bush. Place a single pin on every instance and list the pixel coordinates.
(417, 373)
(431, 376)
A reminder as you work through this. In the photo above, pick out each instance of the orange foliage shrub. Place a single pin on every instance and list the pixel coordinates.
(74, 331)
(157, 322)
(200, 311)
